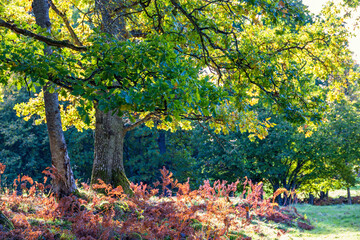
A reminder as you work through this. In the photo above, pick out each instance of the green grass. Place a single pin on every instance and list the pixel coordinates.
(331, 222)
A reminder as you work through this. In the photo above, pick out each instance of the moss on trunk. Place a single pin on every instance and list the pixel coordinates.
(109, 142)
(119, 179)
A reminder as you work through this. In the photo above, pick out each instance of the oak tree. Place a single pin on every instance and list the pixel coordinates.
(175, 61)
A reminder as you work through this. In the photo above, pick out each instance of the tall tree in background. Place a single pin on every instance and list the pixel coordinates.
(63, 182)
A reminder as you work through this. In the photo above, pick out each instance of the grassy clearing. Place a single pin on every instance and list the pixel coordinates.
(331, 222)
(355, 191)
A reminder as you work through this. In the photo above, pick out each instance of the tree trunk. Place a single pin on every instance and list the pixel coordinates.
(63, 183)
(348, 196)
(311, 199)
(108, 153)
(109, 128)
(278, 198)
(162, 142)
(322, 195)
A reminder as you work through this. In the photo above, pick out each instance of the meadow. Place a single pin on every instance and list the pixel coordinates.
(330, 222)
(340, 221)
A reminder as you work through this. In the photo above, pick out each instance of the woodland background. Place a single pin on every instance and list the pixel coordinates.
(214, 93)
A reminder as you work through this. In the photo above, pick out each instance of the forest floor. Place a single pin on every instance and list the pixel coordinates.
(211, 212)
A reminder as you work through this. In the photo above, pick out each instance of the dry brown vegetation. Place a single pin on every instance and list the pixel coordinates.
(169, 210)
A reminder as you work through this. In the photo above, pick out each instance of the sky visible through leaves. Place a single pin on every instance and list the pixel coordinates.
(315, 7)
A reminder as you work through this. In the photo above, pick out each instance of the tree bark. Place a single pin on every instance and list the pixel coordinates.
(111, 23)
(63, 183)
(109, 128)
(349, 196)
(322, 195)
(108, 153)
(311, 199)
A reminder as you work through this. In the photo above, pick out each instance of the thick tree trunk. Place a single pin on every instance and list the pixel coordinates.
(111, 24)
(109, 128)
(63, 183)
(108, 158)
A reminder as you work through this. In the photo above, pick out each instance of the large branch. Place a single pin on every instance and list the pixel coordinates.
(48, 41)
(196, 117)
(139, 122)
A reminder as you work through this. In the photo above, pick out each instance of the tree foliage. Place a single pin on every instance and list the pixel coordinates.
(215, 62)
(23, 146)
(179, 62)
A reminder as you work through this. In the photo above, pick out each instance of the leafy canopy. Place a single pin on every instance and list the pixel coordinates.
(183, 60)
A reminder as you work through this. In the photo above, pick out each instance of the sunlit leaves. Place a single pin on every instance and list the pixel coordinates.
(73, 112)
(214, 60)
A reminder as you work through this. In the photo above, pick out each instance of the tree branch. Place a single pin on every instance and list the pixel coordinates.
(66, 21)
(48, 41)
(138, 123)
(196, 117)
(59, 83)
(195, 25)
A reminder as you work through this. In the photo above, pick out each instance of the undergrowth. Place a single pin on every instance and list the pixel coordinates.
(168, 210)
